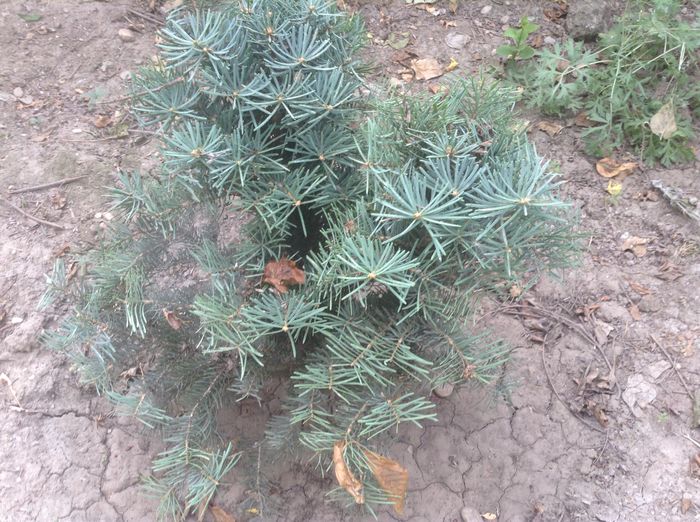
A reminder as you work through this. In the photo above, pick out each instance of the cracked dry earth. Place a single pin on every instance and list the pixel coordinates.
(540, 452)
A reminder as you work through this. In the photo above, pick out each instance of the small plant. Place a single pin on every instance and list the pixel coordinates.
(642, 71)
(368, 231)
(519, 49)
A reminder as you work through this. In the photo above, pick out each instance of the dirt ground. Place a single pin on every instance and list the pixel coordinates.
(597, 422)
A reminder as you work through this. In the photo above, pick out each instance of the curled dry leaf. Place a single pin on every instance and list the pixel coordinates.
(582, 120)
(663, 123)
(452, 65)
(173, 320)
(610, 168)
(343, 474)
(641, 290)
(637, 245)
(634, 312)
(686, 504)
(550, 127)
(282, 274)
(614, 188)
(102, 121)
(426, 68)
(391, 476)
(220, 515)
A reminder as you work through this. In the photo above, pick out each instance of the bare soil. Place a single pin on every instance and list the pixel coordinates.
(596, 422)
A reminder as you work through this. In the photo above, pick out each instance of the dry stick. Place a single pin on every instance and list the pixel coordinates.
(33, 218)
(141, 93)
(691, 439)
(556, 393)
(673, 364)
(145, 16)
(47, 185)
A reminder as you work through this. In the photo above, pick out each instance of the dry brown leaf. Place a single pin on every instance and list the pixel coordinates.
(610, 168)
(637, 245)
(633, 309)
(58, 199)
(220, 515)
(173, 320)
(391, 476)
(426, 68)
(550, 127)
(663, 123)
(102, 121)
(556, 12)
(598, 412)
(686, 504)
(641, 290)
(343, 474)
(282, 274)
(582, 120)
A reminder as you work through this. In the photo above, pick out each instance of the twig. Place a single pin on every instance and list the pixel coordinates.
(578, 328)
(556, 393)
(93, 140)
(33, 218)
(172, 82)
(47, 185)
(145, 16)
(673, 365)
(691, 439)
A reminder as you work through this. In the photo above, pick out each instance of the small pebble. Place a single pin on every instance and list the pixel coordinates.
(549, 40)
(126, 35)
(486, 9)
(16, 320)
(18, 92)
(125, 75)
(444, 390)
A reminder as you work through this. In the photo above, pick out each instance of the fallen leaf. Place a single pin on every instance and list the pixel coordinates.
(597, 411)
(220, 515)
(686, 504)
(448, 23)
(398, 40)
(515, 291)
(391, 476)
(426, 68)
(550, 127)
(555, 13)
(537, 41)
(634, 312)
(130, 373)
(30, 17)
(641, 290)
(102, 121)
(582, 120)
(58, 199)
(610, 168)
(489, 516)
(283, 274)
(614, 188)
(637, 245)
(452, 65)
(343, 474)
(453, 5)
(173, 320)
(663, 123)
